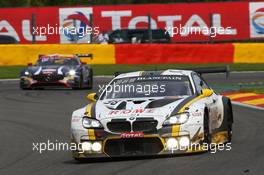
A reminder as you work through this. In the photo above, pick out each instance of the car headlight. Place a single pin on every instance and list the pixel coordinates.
(177, 119)
(91, 123)
(26, 73)
(72, 72)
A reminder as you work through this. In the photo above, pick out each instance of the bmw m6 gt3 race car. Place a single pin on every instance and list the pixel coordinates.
(58, 71)
(152, 113)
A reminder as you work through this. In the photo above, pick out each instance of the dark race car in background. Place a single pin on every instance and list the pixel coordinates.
(58, 71)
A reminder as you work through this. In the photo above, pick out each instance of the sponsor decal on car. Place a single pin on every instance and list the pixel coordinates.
(131, 111)
(48, 71)
(127, 135)
(196, 114)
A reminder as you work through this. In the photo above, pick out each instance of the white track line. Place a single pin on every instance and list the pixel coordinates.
(247, 106)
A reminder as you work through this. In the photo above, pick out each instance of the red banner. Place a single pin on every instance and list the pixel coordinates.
(173, 53)
(184, 21)
(224, 15)
(17, 22)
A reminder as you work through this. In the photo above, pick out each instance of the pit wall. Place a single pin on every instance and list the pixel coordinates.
(139, 53)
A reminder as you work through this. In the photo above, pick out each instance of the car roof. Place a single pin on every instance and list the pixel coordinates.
(155, 73)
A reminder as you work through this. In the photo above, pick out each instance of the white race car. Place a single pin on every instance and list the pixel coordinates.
(152, 113)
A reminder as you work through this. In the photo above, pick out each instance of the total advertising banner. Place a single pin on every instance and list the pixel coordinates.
(256, 13)
(185, 22)
(17, 22)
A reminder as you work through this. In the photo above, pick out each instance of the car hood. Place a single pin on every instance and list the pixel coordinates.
(157, 108)
(58, 69)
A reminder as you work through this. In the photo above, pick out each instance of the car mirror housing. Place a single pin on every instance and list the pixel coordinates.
(207, 92)
(92, 97)
(30, 64)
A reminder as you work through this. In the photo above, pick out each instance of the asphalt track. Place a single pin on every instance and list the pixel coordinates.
(28, 117)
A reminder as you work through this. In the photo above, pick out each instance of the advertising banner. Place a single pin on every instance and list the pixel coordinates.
(17, 22)
(256, 14)
(185, 22)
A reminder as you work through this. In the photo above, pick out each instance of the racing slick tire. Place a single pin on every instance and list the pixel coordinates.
(207, 135)
(80, 84)
(23, 87)
(228, 115)
(229, 133)
(79, 159)
(90, 82)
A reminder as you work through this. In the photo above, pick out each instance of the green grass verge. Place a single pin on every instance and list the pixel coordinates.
(13, 71)
(254, 90)
(10, 71)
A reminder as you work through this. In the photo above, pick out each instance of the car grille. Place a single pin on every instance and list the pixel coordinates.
(145, 126)
(119, 126)
(139, 125)
(133, 146)
(48, 78)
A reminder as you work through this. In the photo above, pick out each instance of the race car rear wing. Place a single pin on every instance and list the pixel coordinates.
(85, 55)
(203, 70)
(58, 55)
(210, 70)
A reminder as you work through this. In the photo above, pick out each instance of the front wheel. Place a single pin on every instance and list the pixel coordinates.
(90, 81)
(207, 135)
(79, 159)
(229, 125)
(229, 133)
(23, 87)
(80, 84)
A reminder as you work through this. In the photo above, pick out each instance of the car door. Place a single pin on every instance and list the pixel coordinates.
(212, 102)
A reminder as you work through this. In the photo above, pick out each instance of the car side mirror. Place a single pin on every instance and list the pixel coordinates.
(207, 92)
(30, 64)
(92, 97)
(83, 63)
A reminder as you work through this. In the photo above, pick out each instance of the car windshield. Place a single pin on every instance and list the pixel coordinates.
(151, 86)
(47, 61)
